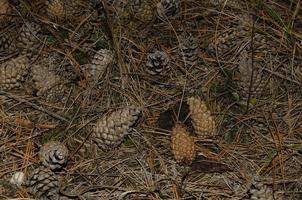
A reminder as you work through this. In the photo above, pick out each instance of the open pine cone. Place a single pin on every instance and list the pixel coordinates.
(43, 184)
(203, 122)
(53, 155)
(110, 131)
(157, 62)
(183, 144)
(13, 72)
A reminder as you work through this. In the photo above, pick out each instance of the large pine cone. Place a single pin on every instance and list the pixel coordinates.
(55, 8)
(110, 130)
(141, 10)
(7, 44)
(98, 66)
(250, 80)
(53, 155)
(203, 122)
(228, 42)
(157, 62)
(48, 85)
(167, 8)
(43, 184)
(29, 38)
(188, 48)
(183, 144)
(13, 72)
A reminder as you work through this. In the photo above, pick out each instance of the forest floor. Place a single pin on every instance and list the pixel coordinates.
(243, 58)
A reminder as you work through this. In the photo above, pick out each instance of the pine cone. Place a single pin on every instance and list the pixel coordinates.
(7, 190)
(55, 9)
(43, 184)
(157, 62)
(48, 84)
(228, 42)
(110, 130)
(53, 155)
(260, 191)
(99, 64)
(29, 37)
(13, 72)
(167, 8)
(7, 45)
(142, 10)
(76, 11)
(246, 74)
(202, 120)
(5, 11)
(188, 48)
(183, 144)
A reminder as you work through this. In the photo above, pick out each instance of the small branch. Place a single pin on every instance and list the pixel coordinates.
(11, 96)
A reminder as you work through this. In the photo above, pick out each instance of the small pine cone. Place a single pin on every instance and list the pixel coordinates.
(260, 191)
(246, 74)
(188, 48)
(5, 11)
(7, 45)
(53, 155)
(228, 42)
(143, 10)
(29, 37)
(98, 66)
(48, 84)
(202, 120)
(13, 72)
(43, 184)
(110, 130)
(55, 9)
(7, 189)
(167, 8)
(183, 144)
(157, 62)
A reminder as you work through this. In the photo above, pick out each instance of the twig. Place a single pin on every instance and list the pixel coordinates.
(9, 95)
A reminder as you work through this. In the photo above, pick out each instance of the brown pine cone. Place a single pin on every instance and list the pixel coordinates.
(110, 130)
(5, 11)
(7, 45)
(98, 66)
(53, 155)
(202, 120)
(43, 184)
(183, 144)
(228, 42)
(13, 72)
(249, 81)
(157, 62)
(7, 189)
(260, 191)
(48, 85)
(188, 49)
(29, 38)
(167, 8)
(143, 10)
(55, 8)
